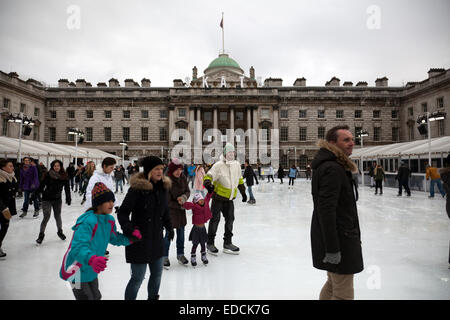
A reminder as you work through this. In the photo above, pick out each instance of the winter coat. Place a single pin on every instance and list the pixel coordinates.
(8, 189)
(378, 174)
(249, 174)
(98, 176)
(293, 173)
(445, 176)
(52, 186)
(191, 170)
(280, 173)
(71, 171)
(432, 173)
(199, 175)
(270, 171)
(403, 174)
(335, 224)
(145, 208)
(180, 188)
(119, 175)
(91, 235)
(200, 214)
(29, 178)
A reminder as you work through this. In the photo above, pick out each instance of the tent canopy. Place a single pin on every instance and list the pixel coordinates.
(413, 148)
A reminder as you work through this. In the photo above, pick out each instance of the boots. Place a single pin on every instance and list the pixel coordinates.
(61, 235)
(40, 238)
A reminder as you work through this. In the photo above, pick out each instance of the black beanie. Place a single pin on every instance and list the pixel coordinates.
(149, 163)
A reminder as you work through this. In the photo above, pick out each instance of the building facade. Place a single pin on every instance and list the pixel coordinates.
(224, 97)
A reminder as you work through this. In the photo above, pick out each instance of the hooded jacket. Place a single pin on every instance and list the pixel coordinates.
(29, 178)
(98, 176)
(335, 224)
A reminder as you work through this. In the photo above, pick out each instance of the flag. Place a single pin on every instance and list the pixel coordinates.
(221, 23)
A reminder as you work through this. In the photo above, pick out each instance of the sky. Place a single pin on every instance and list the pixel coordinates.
(96, 40)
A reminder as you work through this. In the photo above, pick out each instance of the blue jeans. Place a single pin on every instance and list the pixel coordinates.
(250, 192)
(119, 183)
(180, 242)
(26, 201)
(439, 185)
(138, 275)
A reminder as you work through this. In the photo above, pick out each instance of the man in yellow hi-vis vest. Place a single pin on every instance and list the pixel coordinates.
(224, 178)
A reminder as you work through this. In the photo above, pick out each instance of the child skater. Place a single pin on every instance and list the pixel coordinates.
(93, 231)
(201, 213)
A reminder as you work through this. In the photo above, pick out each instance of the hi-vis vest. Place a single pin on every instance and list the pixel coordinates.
(225, 177)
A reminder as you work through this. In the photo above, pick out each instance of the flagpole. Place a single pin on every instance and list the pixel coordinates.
(223, 37)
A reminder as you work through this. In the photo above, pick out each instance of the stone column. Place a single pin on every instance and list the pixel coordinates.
(249, 118)
(192, 127)
(171, 123)
(215, 117)
(199, 132)
(232, 117)
(275, 117)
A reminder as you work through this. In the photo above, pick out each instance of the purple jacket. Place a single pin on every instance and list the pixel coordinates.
(29, 179)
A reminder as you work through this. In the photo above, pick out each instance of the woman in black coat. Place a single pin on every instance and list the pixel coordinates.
(248, 175)
(280, 174)
(51, 188)
(8, 189)
(145, 208)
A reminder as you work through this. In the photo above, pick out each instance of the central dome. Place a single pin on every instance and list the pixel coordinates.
(224, 61)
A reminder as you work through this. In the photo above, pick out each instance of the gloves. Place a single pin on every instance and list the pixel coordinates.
(333, 258)
(135, 236)
(97, 263)
(209, 186)
(7, 214)
(68, 201)
(171, 234)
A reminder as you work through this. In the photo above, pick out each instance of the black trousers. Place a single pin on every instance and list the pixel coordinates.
(403, 184)
(87, 291)
(227, 209)
(378, 184)
(270, 176)
(291, 180)
(4, 228)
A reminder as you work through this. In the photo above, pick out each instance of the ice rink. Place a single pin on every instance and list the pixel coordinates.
(405, 245)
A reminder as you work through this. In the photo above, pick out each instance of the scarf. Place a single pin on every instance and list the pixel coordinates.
(5, 176)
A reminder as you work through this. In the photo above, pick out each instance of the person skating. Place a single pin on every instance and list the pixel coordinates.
(92, 233)
(308, 172)
(71, 173)
(433, 175)
(179, 193)
(335, 232)
(201, 213)
(8, 189)
(224, 178)
(51, 188)
(119, 177)
(145, 207)
(280, 173)
(85, 177)
(270, 175)
(445, 176)
(28, 183)
(104, 175)
(249, 175)
(292, 176)
(403, 175)
(379, 177)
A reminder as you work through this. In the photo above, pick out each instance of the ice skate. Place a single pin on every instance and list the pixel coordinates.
(212, 249)
(40, 239)
(204, 259)
(23, 215)
(193, 260)
(182, 260)
(36, 214)
(230, 249)
(166, 263)
(61, 235)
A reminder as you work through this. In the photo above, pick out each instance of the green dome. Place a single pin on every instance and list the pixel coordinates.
(224, 61)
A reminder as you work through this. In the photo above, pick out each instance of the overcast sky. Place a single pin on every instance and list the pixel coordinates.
(162, 40)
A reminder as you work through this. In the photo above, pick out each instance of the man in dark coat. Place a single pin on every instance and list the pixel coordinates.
(248, 175)
(445, 177)
(403, 176)
(335, 233)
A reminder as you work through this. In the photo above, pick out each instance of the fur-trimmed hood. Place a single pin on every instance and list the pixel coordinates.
(139, 182)
(339, 156)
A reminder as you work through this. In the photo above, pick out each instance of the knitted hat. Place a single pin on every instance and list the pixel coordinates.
(101, 194)
(174, 165)
(149, 163)
(197, 197)
(228, 148)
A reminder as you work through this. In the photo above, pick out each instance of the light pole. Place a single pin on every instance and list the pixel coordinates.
(23, 121)
(123, 144)
(77, 133)
(427, 118)
(361, 135)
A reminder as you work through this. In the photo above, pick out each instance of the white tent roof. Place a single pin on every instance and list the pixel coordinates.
(413, 148)
(10, 146)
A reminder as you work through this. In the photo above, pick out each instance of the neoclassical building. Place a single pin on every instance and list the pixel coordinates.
(224, 97)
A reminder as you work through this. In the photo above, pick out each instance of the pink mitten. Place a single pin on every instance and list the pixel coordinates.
(137, 234)
(97, 263)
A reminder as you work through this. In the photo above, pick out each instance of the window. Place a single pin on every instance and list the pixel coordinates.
(265, 132)
(239, 116)
(340, 114)
(265, 113)
(223, 116)
(424, 107)
(5, 127)
(320, 114)
(163, 134)
(108, 114)
(126, 133)
(284, 160)
(163, 114)
(358, 113)
(53, 114)
(6, 103)
(89, 114)
(302, 114)
(182, 113)
(394, 114)
(144, 114)
(89, 134)
(440, 102)
(144, 133)
(284, 134)
(70, 114)
(321, 132)
(126, 114)
(207, 116)
(376, 113)
(52, 134)
(410, 111)
(395, 134)
(70, 137)
(37, 111)
(376, 134)
(302, 134)
(23, 106)
(284, 114)
(107, 133)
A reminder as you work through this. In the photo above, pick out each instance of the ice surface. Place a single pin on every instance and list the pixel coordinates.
(405, 248)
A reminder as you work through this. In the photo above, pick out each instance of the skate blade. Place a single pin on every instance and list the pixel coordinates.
(230, 251)
(167, 268)
(213, 253)
(184, 265)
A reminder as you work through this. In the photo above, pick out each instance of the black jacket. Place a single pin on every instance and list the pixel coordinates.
(248, 175)
(403, 174)
(335, 225)
(445, 177)
(52, 185)
(8, 191)
(280, 172)
(71, 171)
(145, 207)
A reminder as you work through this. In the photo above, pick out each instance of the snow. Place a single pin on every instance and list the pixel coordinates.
(405, 245)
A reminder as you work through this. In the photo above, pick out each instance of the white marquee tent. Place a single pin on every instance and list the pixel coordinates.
(47, 152)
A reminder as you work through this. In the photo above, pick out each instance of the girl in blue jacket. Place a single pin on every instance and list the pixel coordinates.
(292, 175)
(93, 231)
